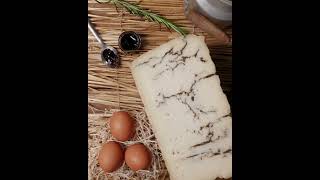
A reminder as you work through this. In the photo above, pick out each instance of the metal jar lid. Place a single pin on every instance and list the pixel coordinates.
(215, 10)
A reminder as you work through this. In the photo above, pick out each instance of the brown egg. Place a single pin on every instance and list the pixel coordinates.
(138, 157)
(111, 156)
(122, 126)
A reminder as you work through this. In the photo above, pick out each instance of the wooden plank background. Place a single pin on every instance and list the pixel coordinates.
(110, 88)
(115, 88)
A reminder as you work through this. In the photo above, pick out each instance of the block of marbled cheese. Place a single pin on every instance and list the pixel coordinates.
(187, 109)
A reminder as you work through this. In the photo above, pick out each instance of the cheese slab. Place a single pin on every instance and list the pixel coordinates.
(188, 111)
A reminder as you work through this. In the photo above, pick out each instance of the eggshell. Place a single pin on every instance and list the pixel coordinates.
(122, 126)
(111, 156)
(138, 157)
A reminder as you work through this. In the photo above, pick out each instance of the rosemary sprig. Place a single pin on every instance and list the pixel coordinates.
(150, 16)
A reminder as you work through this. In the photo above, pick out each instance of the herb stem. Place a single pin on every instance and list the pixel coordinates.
(150, 16)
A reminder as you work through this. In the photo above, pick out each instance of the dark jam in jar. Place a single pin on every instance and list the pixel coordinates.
(129, 41)
(110, 58)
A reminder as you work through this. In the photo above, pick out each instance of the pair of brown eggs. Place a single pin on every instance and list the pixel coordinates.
(112, 155)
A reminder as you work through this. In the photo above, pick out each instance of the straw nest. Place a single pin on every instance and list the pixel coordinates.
(99, 133)
(111, 90)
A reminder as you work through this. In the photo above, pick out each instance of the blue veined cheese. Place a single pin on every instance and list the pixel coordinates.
(188, 111)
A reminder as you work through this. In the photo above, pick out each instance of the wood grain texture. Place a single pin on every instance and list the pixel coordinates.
(109, 88)
(115, 88)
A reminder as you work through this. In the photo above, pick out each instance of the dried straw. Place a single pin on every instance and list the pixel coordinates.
(114, 89)
(99, 133)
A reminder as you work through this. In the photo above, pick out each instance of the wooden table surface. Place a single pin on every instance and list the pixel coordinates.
(110, 22)
(113, 89)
